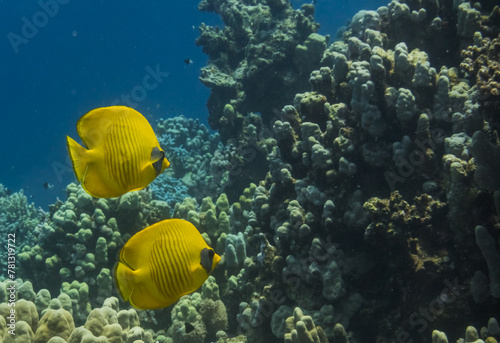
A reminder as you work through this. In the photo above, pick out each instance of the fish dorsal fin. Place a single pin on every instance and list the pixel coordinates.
(93, 127)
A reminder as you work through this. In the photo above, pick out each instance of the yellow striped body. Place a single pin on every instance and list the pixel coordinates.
(120, 155)
(161, 263)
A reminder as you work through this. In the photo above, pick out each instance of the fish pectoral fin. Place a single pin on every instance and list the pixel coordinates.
(77, 154)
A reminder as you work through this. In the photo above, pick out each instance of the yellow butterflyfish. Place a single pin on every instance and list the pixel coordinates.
(163, 262)
(121, 152)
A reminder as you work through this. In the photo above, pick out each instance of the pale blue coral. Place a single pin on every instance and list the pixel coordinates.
(193, 153)
(19, 218)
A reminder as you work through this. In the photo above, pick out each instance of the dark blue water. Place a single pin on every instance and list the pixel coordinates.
(60, 61)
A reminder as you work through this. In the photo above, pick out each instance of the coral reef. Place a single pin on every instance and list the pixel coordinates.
(196, 167)
(258, 61)
(301, 329)
(18, 218)
(490, 334)
(76, 243)
(377, 169)
(487, 245)
(31, 323)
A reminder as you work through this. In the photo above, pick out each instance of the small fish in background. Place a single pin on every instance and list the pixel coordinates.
(47, 185)
(121, 152)
(162, 263)
(188, 61)
(188, 327)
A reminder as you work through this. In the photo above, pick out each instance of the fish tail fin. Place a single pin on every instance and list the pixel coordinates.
(124, 280)
(77, 156)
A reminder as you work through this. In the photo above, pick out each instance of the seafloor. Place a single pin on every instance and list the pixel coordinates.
(352, 189)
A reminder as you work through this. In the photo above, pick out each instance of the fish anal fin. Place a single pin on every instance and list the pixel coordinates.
(124, 280)
(142, 298)
(96, 184)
